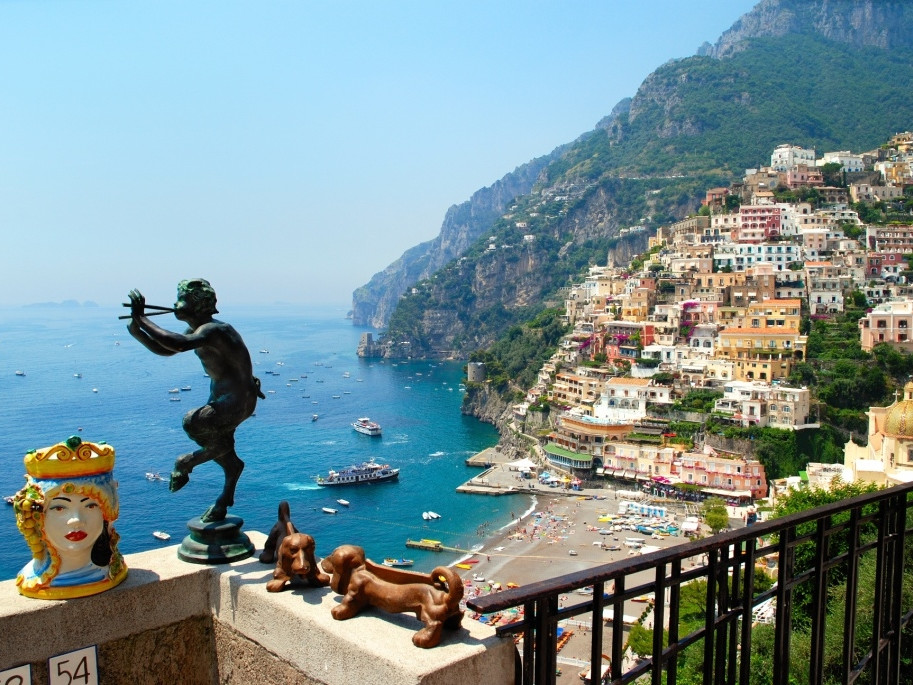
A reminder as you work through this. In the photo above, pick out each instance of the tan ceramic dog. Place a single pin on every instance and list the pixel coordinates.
(294, 556)
(434, 598)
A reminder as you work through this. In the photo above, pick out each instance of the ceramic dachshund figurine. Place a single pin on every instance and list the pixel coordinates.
(293, 553)
(434, 598)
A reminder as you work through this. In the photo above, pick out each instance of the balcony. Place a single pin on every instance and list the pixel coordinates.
(175, 622)
(840, 583)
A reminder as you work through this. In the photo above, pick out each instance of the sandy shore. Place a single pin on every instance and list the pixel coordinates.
(525, 553)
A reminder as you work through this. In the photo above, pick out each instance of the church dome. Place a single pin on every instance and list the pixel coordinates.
(898, 421)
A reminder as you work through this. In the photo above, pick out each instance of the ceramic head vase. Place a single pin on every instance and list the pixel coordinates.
(66, 512)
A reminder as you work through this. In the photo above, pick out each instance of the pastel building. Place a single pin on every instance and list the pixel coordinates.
(888, 322)
(721, 473)
(785, 157)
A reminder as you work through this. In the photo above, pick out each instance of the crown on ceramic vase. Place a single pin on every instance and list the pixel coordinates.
(71, 458)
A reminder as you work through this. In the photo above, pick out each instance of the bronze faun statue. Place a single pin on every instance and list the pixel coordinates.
(233, 389)
(434, 598)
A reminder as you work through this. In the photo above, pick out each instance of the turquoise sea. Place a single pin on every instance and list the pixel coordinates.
(84, 375)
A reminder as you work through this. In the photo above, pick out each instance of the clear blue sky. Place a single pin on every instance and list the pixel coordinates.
(289, 150)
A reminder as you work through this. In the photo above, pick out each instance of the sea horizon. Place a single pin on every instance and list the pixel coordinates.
(84, 375)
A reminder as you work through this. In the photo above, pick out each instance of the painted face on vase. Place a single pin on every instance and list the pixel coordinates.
(72, 524)
(66, 512)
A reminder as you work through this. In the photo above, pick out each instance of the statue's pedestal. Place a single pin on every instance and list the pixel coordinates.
(218, 542)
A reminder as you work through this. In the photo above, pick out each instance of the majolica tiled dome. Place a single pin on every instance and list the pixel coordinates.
(898, 421)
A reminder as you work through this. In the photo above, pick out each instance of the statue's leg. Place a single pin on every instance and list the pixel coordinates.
(233, 466)
(198, 424)
(183, 465)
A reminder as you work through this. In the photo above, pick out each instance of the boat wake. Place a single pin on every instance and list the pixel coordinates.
(301, 486)
(437, 454)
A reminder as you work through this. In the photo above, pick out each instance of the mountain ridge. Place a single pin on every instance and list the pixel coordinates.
(693, 123)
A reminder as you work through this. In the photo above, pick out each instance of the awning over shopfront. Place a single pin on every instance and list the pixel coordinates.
(727, 493)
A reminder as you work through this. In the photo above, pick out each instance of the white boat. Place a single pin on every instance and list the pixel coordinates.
(343, 502)
(174, 390)
(186, 388)
(366, 472)
(329, 510)
(20, 373)
(174, 399)
(161, 535)
(434, 515)
(398, 563)
(426, 516)
(153, 476)
(314, 417)
(367, 426)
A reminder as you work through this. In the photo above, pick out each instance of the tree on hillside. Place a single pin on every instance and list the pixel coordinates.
(716, 516)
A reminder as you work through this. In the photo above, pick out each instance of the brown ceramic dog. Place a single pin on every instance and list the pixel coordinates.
(435, 598)
(294, 556)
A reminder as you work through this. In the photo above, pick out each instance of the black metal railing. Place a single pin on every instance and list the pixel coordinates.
(840, 610)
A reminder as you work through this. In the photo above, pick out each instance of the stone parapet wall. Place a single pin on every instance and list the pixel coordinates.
(174, 622)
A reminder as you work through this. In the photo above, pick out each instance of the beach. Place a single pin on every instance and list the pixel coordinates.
(558, 535)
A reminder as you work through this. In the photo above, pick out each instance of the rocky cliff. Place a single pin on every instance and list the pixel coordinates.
(374, 302)
(884, 24)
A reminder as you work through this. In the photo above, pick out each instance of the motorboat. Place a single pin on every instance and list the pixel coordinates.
(160, 535)
(398, 563)
(314, 417)
(343, 502)
(366, 426)
(329, 510)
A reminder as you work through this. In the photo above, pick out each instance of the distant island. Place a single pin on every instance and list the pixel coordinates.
(68, 304)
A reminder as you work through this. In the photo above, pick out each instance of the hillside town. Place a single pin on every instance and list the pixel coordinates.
(719, 305)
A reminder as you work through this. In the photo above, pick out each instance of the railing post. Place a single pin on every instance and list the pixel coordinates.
(618, 608)
(784, 612)
(747, 613)
(596, 655)
(659, 617)
(881, 567)
(816, 658)
(852, 581)
(674, 598)
(895, 609)
(710, 617)
(529, 645)
(546, 657)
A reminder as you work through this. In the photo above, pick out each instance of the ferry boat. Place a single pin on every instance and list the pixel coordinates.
(367, 426)
(366, 472)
